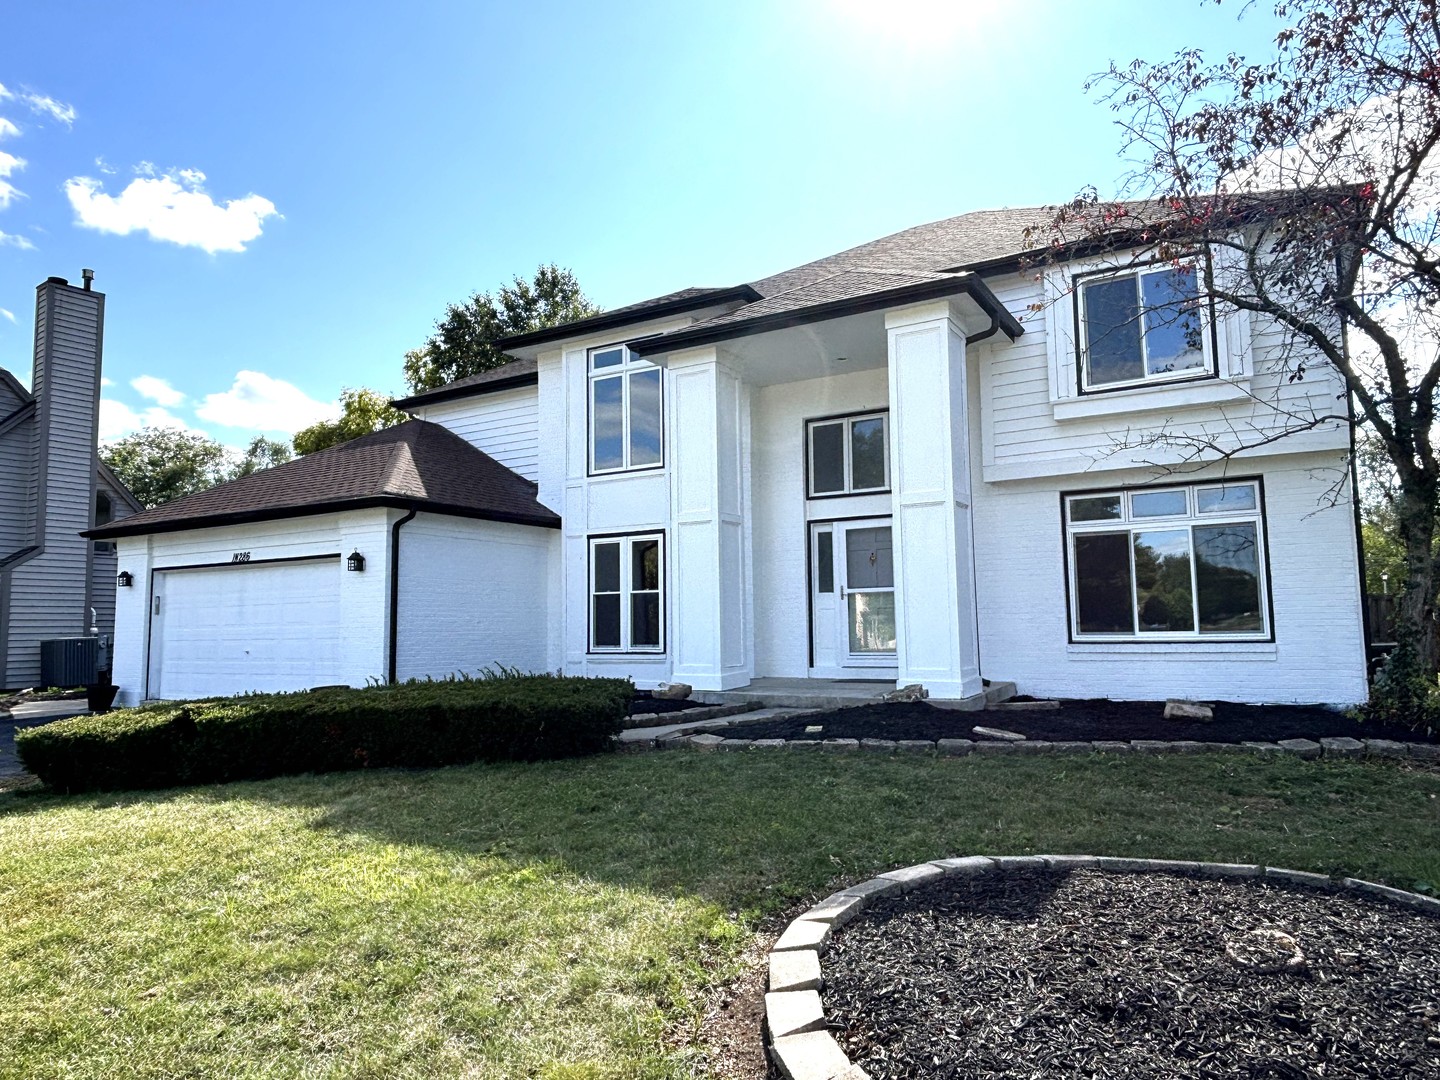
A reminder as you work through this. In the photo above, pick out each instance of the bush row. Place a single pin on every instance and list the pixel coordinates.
(509, 717)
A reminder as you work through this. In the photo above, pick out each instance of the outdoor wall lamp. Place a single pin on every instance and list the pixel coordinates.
(124, 579)
(355, 562)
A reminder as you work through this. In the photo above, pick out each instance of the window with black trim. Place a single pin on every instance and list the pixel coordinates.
(849, 455)
(1141, 327)
(627, 593)
(1177, 563)
(626, 416)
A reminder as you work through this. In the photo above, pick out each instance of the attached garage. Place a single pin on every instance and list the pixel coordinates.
(239, 627)
(372, 561)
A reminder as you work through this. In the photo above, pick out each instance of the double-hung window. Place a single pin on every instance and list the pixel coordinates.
(1176, 563)
(625, 411)
(1141, 327)
(849, 455)
(627, 593)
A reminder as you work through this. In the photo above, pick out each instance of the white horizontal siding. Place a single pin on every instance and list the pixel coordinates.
(1022, 433)
(505, 425)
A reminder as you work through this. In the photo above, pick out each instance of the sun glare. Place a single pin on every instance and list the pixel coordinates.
(920, 25)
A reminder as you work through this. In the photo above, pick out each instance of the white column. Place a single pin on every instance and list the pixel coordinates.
(708, 426)
(132, 620)
(930, 481)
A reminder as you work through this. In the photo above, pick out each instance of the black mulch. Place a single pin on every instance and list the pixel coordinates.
(1036, 973)
(1085, 721)
(644, 703)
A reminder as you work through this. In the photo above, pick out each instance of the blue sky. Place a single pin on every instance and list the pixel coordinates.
(279, 199)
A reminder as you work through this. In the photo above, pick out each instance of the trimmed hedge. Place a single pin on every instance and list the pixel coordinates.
(509, 717)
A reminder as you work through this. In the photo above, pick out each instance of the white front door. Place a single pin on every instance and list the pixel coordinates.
(852, 600)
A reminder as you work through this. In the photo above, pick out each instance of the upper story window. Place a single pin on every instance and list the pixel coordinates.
(849, 455)
(625, 411)
(1141, 327)
(1157, 564)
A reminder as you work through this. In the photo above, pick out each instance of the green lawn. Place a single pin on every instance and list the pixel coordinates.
(557, 920)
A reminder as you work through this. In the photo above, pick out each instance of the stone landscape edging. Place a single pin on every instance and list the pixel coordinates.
(804, 1049)
(1336, 747)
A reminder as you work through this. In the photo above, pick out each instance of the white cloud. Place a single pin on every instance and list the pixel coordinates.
(174, 207)
(118, 419)
(105, 380)
(41, 104)
(157, 390)
(9, 164)
(7, 314)
(7, 129)
(11, 240)
(261, 403)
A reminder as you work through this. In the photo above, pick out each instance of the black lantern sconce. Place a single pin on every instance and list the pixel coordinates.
(355, 562)
(124, 579)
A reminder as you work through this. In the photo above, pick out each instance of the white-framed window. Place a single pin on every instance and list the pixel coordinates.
(1141, 326)
(1168, 564)
(848, 455)
(626, 418)
(627, 593)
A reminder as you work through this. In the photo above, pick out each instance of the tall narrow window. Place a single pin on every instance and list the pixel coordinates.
(1141, 327)
(626, 416)
(849, 455)
(627, 594)
(1167, 564)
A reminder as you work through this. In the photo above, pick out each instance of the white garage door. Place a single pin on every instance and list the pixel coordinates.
(233, 629)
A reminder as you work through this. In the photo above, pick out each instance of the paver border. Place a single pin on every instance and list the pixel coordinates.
(804, 1049)
(1339, 747)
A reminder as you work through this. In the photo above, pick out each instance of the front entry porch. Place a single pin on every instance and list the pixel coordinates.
(833, 694)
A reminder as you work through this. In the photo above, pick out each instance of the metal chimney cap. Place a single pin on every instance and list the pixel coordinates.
(87, 275)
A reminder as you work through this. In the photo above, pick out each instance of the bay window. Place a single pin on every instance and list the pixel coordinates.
(1177, 563)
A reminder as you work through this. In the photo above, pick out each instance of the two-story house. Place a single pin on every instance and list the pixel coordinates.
(905, 462)
(53, 582)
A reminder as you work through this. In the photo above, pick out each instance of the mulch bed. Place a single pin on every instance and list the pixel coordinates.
(1076, 720)
(1052, 973)
(644, 703)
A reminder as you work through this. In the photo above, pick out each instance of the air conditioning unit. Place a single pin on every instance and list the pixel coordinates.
(71, 661)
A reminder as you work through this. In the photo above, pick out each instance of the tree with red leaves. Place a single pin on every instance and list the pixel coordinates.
(1312, 184)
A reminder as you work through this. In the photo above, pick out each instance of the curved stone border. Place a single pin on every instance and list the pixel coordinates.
(796, 1036)
(1342, 747)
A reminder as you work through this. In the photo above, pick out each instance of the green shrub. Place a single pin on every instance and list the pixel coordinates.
(1403, 694)
(505, 717)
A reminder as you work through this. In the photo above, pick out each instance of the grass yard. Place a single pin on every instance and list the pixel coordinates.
(557, 920)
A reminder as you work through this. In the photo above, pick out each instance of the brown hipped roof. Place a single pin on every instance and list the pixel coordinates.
(417, 464)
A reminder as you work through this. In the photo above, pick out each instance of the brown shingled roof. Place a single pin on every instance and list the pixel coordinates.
(416, 464)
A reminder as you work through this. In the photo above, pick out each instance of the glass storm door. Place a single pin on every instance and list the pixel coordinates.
(852, 599)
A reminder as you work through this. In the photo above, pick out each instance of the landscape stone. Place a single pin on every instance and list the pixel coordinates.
(1298, 877)
(912, 877)
(672, 691)
(1073, 747)
(868, 890)
(1343, 746)
(1425, 751)
(882, 746)
(1151, 746)
(737, 744)
(997, 733)
(1262, 747)
(836, 909)
(769, 744)
(1187, 746)
(705, 741)
(814, 729)
(803, 934)
(988, 747)
(1188, 710)
(914, 746)
(798, 970)
(913, 692)
(1039, 746)
(803, 744)
(814, 1055)
(1111, 746)
(789, 1012)
(1070, 862)
(967, 866)
(1306, 748)
(1385, 748)
(841, 744)
(955, 747)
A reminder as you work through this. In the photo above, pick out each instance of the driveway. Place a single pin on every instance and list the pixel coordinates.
(28, 715)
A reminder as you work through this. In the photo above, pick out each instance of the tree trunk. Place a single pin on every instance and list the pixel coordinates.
(1415, 612)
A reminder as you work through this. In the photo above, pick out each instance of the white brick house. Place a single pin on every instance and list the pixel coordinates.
(901, 463)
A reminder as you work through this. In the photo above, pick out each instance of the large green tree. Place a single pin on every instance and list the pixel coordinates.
(262, 453)
(463, 342)
(362, 411)
(160, 464)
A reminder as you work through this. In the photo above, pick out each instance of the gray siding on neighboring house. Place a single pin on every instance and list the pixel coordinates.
(50, 593)
(17, 471)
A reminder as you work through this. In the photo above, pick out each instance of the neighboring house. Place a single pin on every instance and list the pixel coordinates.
(897, 463)
(54, 583)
